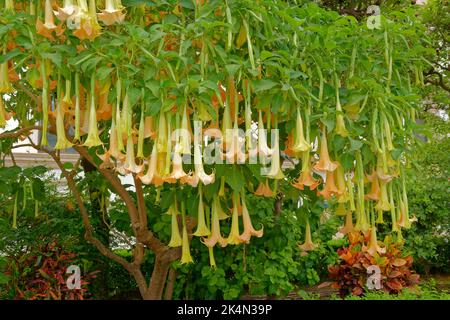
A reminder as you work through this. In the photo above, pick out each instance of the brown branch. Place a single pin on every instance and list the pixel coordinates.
(439, 83)
(18, 133)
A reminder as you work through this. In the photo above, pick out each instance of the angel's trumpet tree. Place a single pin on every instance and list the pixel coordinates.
(202, 229)
(215, 236)
(308, 245)
(234, 237)
(249, 231)
(325, 163)
(306, 178)
(300, 145)
(113, 12)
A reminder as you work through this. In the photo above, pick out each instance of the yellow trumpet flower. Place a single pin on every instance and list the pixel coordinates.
(275, 167)
(202, 229)
(4, 116)
(89, 27)
(348, 227)
(185, 250)
(152, 176)
(249, 231)
(375, 191)
(383, 203)
(234, 237)
(93, 138)
(175, 239)
(263, 149)
(215, 236)
(130, 162)
(5, 84)
(300, 145)
(61, 142)
(308, 245)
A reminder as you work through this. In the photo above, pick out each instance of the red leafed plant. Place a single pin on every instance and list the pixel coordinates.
(351, 275)
(41, 275)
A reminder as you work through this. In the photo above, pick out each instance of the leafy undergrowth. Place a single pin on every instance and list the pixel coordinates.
(351, 274)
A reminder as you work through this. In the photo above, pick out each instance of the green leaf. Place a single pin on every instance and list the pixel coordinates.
(234, 177)
(103, 72)
(355, 144)
(263, 85)
(11, 54)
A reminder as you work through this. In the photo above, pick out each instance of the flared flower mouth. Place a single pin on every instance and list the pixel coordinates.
(113, 13)
(264, 189)
(373, 247)
(215, 236)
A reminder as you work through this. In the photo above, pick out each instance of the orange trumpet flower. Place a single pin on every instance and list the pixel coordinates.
(264, 189)
(306, 178)
(308, 245)
(330, 188)
(325, 163)
(113, 12)
(249, 231)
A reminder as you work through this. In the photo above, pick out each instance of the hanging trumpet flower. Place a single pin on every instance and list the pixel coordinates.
(306, 178)
(300, 145)
(130, 162)
(249, 231)
(5, 84)
(373, 243)
(113, 12)
(375, 187)
(93, 138)
(88, 28)
(275, 171)
(185, 250)
(340, 124)
(308, 245)
(198, 163)
(65, 12)
(175, 240)
(325, 163)
(264, 189)
(48, 27)
(234, 237)
(4, 116)
(263, 150)
(202, 229)
(348, 227)
(61, 142)
(330, 188)
(152, 176)
(215, 236)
